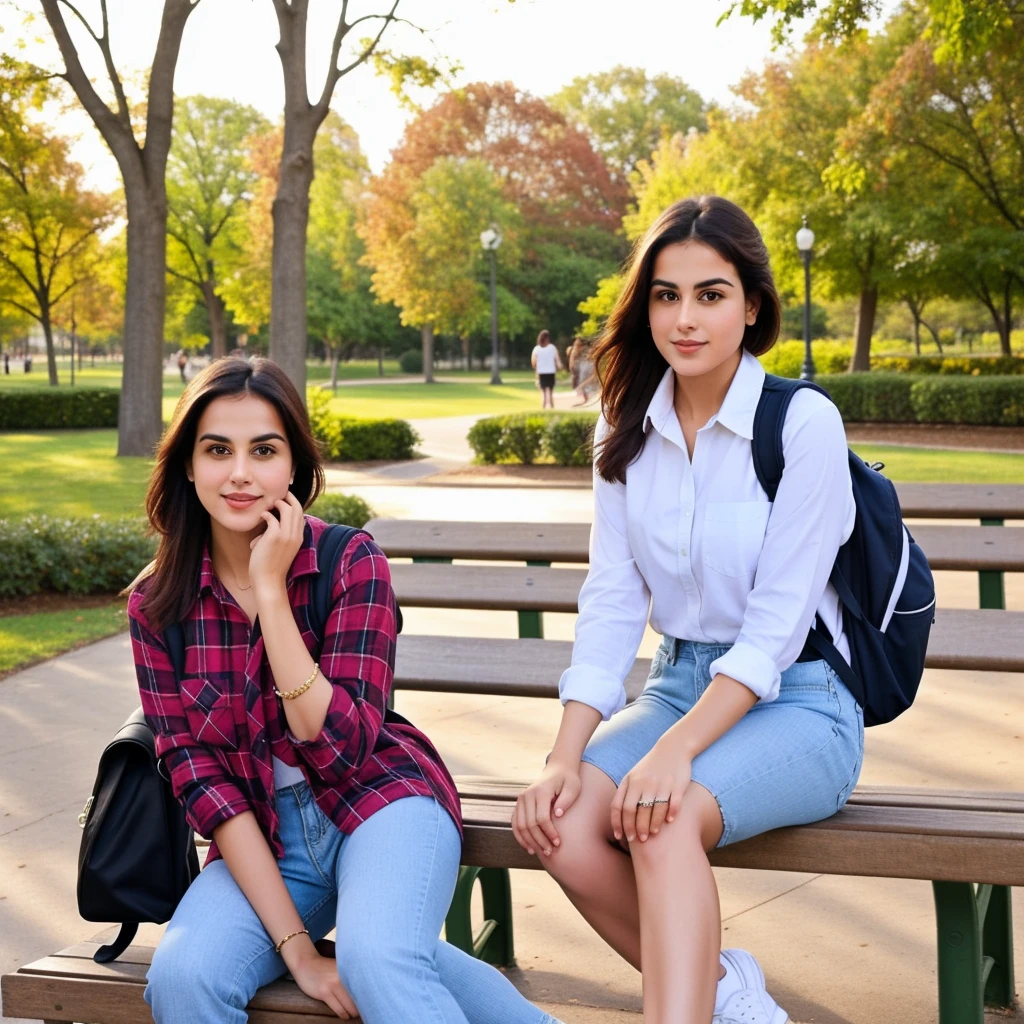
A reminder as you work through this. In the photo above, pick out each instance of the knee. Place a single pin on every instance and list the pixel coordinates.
(185, 982)
(374, 962)
(575, 862)
(695, 830)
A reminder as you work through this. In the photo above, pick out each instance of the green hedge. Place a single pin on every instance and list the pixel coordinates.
(411, 361)
(990, 401)
(57, 408)
(345, 439)
(974, 366)
(526, 437)
(347, 509)
(871, 397)
(71, 556)
(102, 556)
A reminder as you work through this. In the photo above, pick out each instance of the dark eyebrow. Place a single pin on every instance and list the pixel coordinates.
(227, 440)
(700, 284)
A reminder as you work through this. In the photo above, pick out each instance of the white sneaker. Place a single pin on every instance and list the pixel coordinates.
(750, 1003)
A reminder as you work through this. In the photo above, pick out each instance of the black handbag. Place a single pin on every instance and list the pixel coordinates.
(138, 853)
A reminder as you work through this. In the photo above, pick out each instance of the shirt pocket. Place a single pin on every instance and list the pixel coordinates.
(210, 714)
(734, 535)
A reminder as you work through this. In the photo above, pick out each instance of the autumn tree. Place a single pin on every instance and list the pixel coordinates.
(49, 220)
(141, 151)
(209, 183)
(547, 169)
(626, 112)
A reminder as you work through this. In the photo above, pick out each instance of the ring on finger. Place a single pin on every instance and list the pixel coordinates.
(661, 800)
(646, 803)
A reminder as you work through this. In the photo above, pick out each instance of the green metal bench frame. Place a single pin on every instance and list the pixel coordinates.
(975, 923)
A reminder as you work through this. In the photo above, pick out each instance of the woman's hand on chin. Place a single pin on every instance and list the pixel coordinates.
(273, 552)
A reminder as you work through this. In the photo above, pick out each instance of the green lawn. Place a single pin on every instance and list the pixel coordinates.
(943, 465)
(25, 639)
(470, 396)
(69, 473)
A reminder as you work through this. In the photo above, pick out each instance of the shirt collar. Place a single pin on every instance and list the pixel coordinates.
(304, 563)
(738, 408)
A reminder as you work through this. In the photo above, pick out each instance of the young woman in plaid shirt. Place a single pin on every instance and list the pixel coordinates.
(324, 812)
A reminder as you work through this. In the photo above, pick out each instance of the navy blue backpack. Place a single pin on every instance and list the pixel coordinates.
(881, 576)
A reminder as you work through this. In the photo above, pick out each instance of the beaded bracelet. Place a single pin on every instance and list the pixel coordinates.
(299, 690)
(301, 931)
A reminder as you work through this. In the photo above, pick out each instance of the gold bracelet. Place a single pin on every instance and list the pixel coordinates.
(301, 931)
(299, 690)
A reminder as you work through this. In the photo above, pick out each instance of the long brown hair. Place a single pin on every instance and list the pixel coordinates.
(175, 513)
(629, 365)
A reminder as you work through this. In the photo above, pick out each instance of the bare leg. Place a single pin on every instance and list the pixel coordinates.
(593, 870)
(680, 917)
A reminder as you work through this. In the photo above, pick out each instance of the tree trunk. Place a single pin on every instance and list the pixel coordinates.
(140, 416)
(335, 356)
(935, 336)
(218, 328)
(1007, 324)
(428, 353)
(380, 360)
(288, 263)
(864, 328)
(51, 353)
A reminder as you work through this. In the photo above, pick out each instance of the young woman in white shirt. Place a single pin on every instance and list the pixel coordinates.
(739, 728)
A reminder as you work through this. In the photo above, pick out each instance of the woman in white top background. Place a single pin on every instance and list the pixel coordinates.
(547, 362)
(740, 729)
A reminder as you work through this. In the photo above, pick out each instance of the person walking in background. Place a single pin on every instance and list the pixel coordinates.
(7, 364)
(581, 368)
(546, 361)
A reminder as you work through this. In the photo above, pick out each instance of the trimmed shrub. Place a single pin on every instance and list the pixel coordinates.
(570, 439)
(72, 556)
(485, 438)
(366, 440)
(523, 437)
(344, 439)
(347, 509)
(411, 361)
(59, 409)
(993, 401)
(871, 397)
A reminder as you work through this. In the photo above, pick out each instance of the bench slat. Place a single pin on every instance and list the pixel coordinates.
(991, 641)
(39, 985)
(947, 547)
(961, 501)
(481, 787)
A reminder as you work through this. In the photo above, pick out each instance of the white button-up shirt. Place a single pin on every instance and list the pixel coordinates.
(699, 544)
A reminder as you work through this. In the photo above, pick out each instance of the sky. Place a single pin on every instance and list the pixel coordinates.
(540, 45)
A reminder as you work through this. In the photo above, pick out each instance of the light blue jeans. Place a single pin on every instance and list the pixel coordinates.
(790, 761)
(386, 888)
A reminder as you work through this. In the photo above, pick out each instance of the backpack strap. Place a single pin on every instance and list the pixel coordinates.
(329, 549)
(769, 419)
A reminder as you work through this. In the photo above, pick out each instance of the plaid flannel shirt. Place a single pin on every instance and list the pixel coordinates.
(219, 728)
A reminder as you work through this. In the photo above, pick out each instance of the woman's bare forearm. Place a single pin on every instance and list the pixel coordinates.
(577, 726)
(254, 869)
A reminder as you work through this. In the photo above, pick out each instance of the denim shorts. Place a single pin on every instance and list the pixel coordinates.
(789, 761)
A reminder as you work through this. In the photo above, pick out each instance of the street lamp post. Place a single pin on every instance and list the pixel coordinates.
(490, 240)
(805, 243)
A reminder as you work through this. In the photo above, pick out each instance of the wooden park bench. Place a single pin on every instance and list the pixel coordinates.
(970, 845)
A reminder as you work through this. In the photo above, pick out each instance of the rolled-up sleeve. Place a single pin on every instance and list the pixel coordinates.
(207, 793)
(614, 604)
(358, 660)
(807, 525)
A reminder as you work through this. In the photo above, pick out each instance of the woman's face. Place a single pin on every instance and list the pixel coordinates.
(241, 462)
(697, 308)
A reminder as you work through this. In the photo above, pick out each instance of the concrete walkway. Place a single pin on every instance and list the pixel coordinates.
(836, 950)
